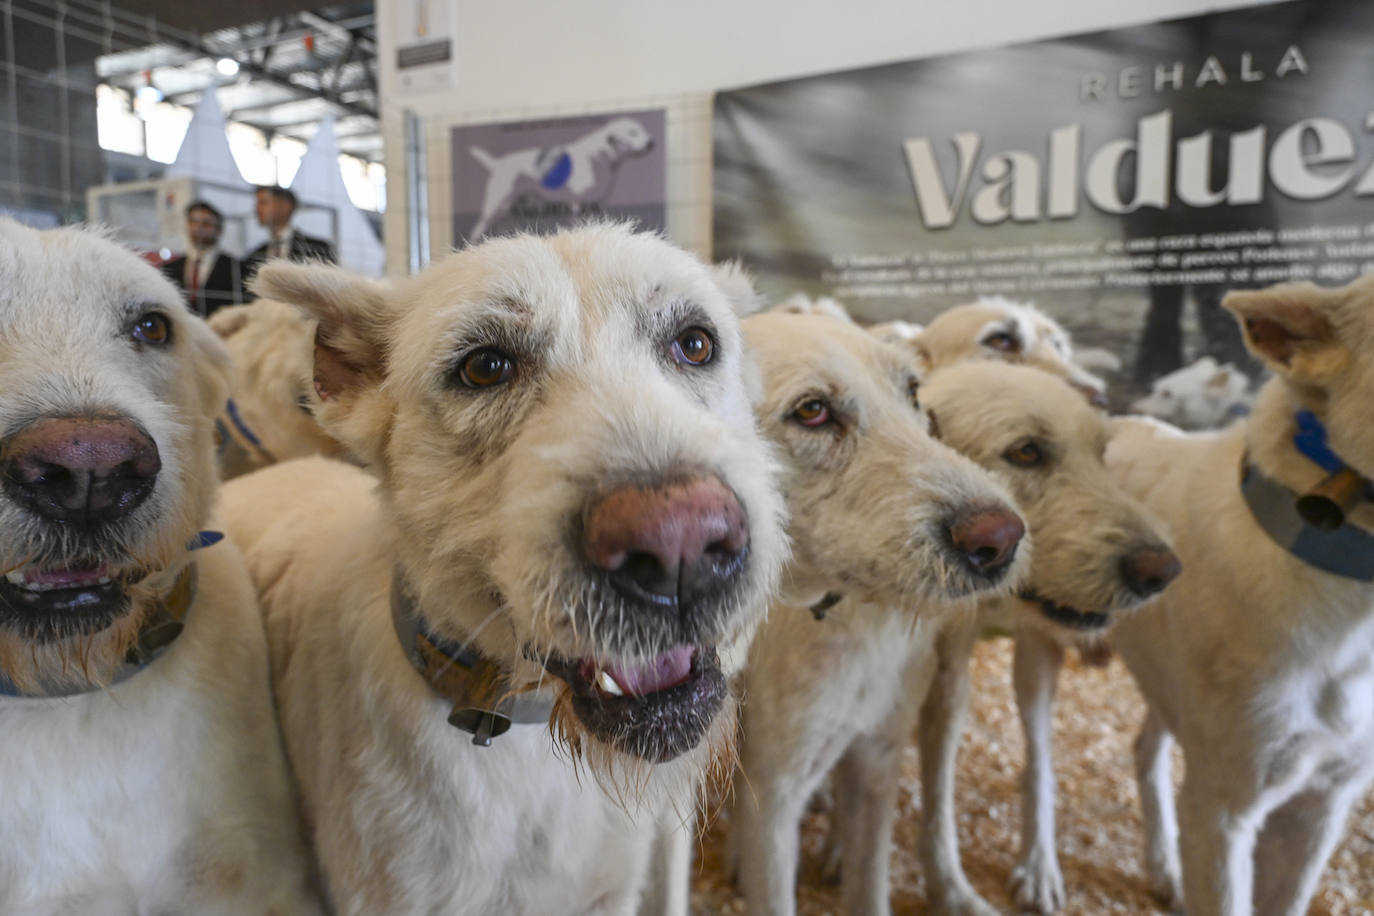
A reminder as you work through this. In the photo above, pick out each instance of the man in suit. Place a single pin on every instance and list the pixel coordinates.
(208, 277)
(275, 207)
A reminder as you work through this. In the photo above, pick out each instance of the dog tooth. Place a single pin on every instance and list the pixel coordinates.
(16, 577)
(104, 580)
(608, 684)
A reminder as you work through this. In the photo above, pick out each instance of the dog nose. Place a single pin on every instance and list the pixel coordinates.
(987, 539)
(81, 471)
(668, 543)
(1149, 569)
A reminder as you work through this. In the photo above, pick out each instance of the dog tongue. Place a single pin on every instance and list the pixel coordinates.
(668, 670)
(77, 575)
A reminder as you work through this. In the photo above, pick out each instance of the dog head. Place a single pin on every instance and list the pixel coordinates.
(627, 137)
(1012, 332)
(1320, 344)
(1199, 396)
(877, 507)
(107, 389)
(564, 439)
(272, 345)
(1097, 551)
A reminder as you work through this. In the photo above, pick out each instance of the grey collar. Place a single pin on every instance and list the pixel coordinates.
(479, 689)
(162, 625)
(1346, 551)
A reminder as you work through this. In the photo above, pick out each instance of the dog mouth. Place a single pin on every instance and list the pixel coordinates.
(46, 603)
(1064, 615)
(655, 710)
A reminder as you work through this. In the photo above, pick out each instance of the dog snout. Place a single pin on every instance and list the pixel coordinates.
(1148, 570)
(986, 539)
(81, 471)
(668, 544)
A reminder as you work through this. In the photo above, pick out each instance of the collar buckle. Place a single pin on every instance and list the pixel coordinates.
(483, 704)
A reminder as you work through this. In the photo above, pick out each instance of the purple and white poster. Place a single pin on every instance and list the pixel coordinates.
(540, 175)
(1122, 181)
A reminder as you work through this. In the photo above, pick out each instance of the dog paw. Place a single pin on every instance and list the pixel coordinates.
(1166, 887)
(1036, 883)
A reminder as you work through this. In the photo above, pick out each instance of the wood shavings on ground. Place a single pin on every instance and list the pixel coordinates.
(1096, 717)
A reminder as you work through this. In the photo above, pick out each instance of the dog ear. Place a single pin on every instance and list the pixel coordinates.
(351, 344)
(1290, 328)
(738, 288)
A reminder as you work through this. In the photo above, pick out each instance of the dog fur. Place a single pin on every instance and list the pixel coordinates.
(873, 500)
(167, 791)
(1094, 548)
(1020, 334)
(1014, 332)
(484, 496)
(272, 346)
(1202, 395)
(590, 163)
(1258, 664)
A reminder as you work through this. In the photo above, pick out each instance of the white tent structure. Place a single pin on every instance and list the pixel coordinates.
(319, 182)
(205, 158)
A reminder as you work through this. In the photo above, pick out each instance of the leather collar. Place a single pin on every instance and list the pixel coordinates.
(478, 688)
(161, 626)
(1346, 551)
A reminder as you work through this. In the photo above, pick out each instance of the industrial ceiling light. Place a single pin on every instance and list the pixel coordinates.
(227, 66)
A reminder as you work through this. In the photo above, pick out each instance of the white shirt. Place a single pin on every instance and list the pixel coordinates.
(280, 247)
(203, 262)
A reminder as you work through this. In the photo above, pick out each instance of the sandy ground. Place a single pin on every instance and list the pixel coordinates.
(1098, 815)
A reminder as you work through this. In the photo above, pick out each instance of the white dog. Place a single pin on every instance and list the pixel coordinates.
(269, 416)
(578, 173)
(889, 528)
(1098, 554)
(141, 765)
(576, 525)
(997, 329)
(1260, 660)
(1202, 395)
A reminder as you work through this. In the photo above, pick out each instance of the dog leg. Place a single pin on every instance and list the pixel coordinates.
(1217, 842)
(941, 727)
(1297, 839)
(1154, 772)
(768, 820)
(668, 884)
(1036, 882)
(865, 808)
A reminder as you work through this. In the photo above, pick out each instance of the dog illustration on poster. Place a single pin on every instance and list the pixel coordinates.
(578, 173)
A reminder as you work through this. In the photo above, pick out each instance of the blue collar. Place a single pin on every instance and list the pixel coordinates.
(479, 690)
(162, 625)
(1346, 551)
(231, 410)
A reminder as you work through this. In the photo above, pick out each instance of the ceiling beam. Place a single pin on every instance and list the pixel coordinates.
(276, 79)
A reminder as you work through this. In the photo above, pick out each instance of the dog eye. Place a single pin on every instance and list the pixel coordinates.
(812, 412)
(1002, 341)
(486, 367)
(693, 346)
(152, 328)
(303, 404)
(913, 388)
(1025, 454)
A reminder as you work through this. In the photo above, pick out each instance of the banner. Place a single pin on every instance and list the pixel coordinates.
(1113, 179)
(539, 175)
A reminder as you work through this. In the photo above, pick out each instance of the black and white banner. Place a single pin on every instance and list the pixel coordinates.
(1112, 178)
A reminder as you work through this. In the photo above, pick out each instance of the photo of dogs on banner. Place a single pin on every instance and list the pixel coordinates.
(578, 174)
